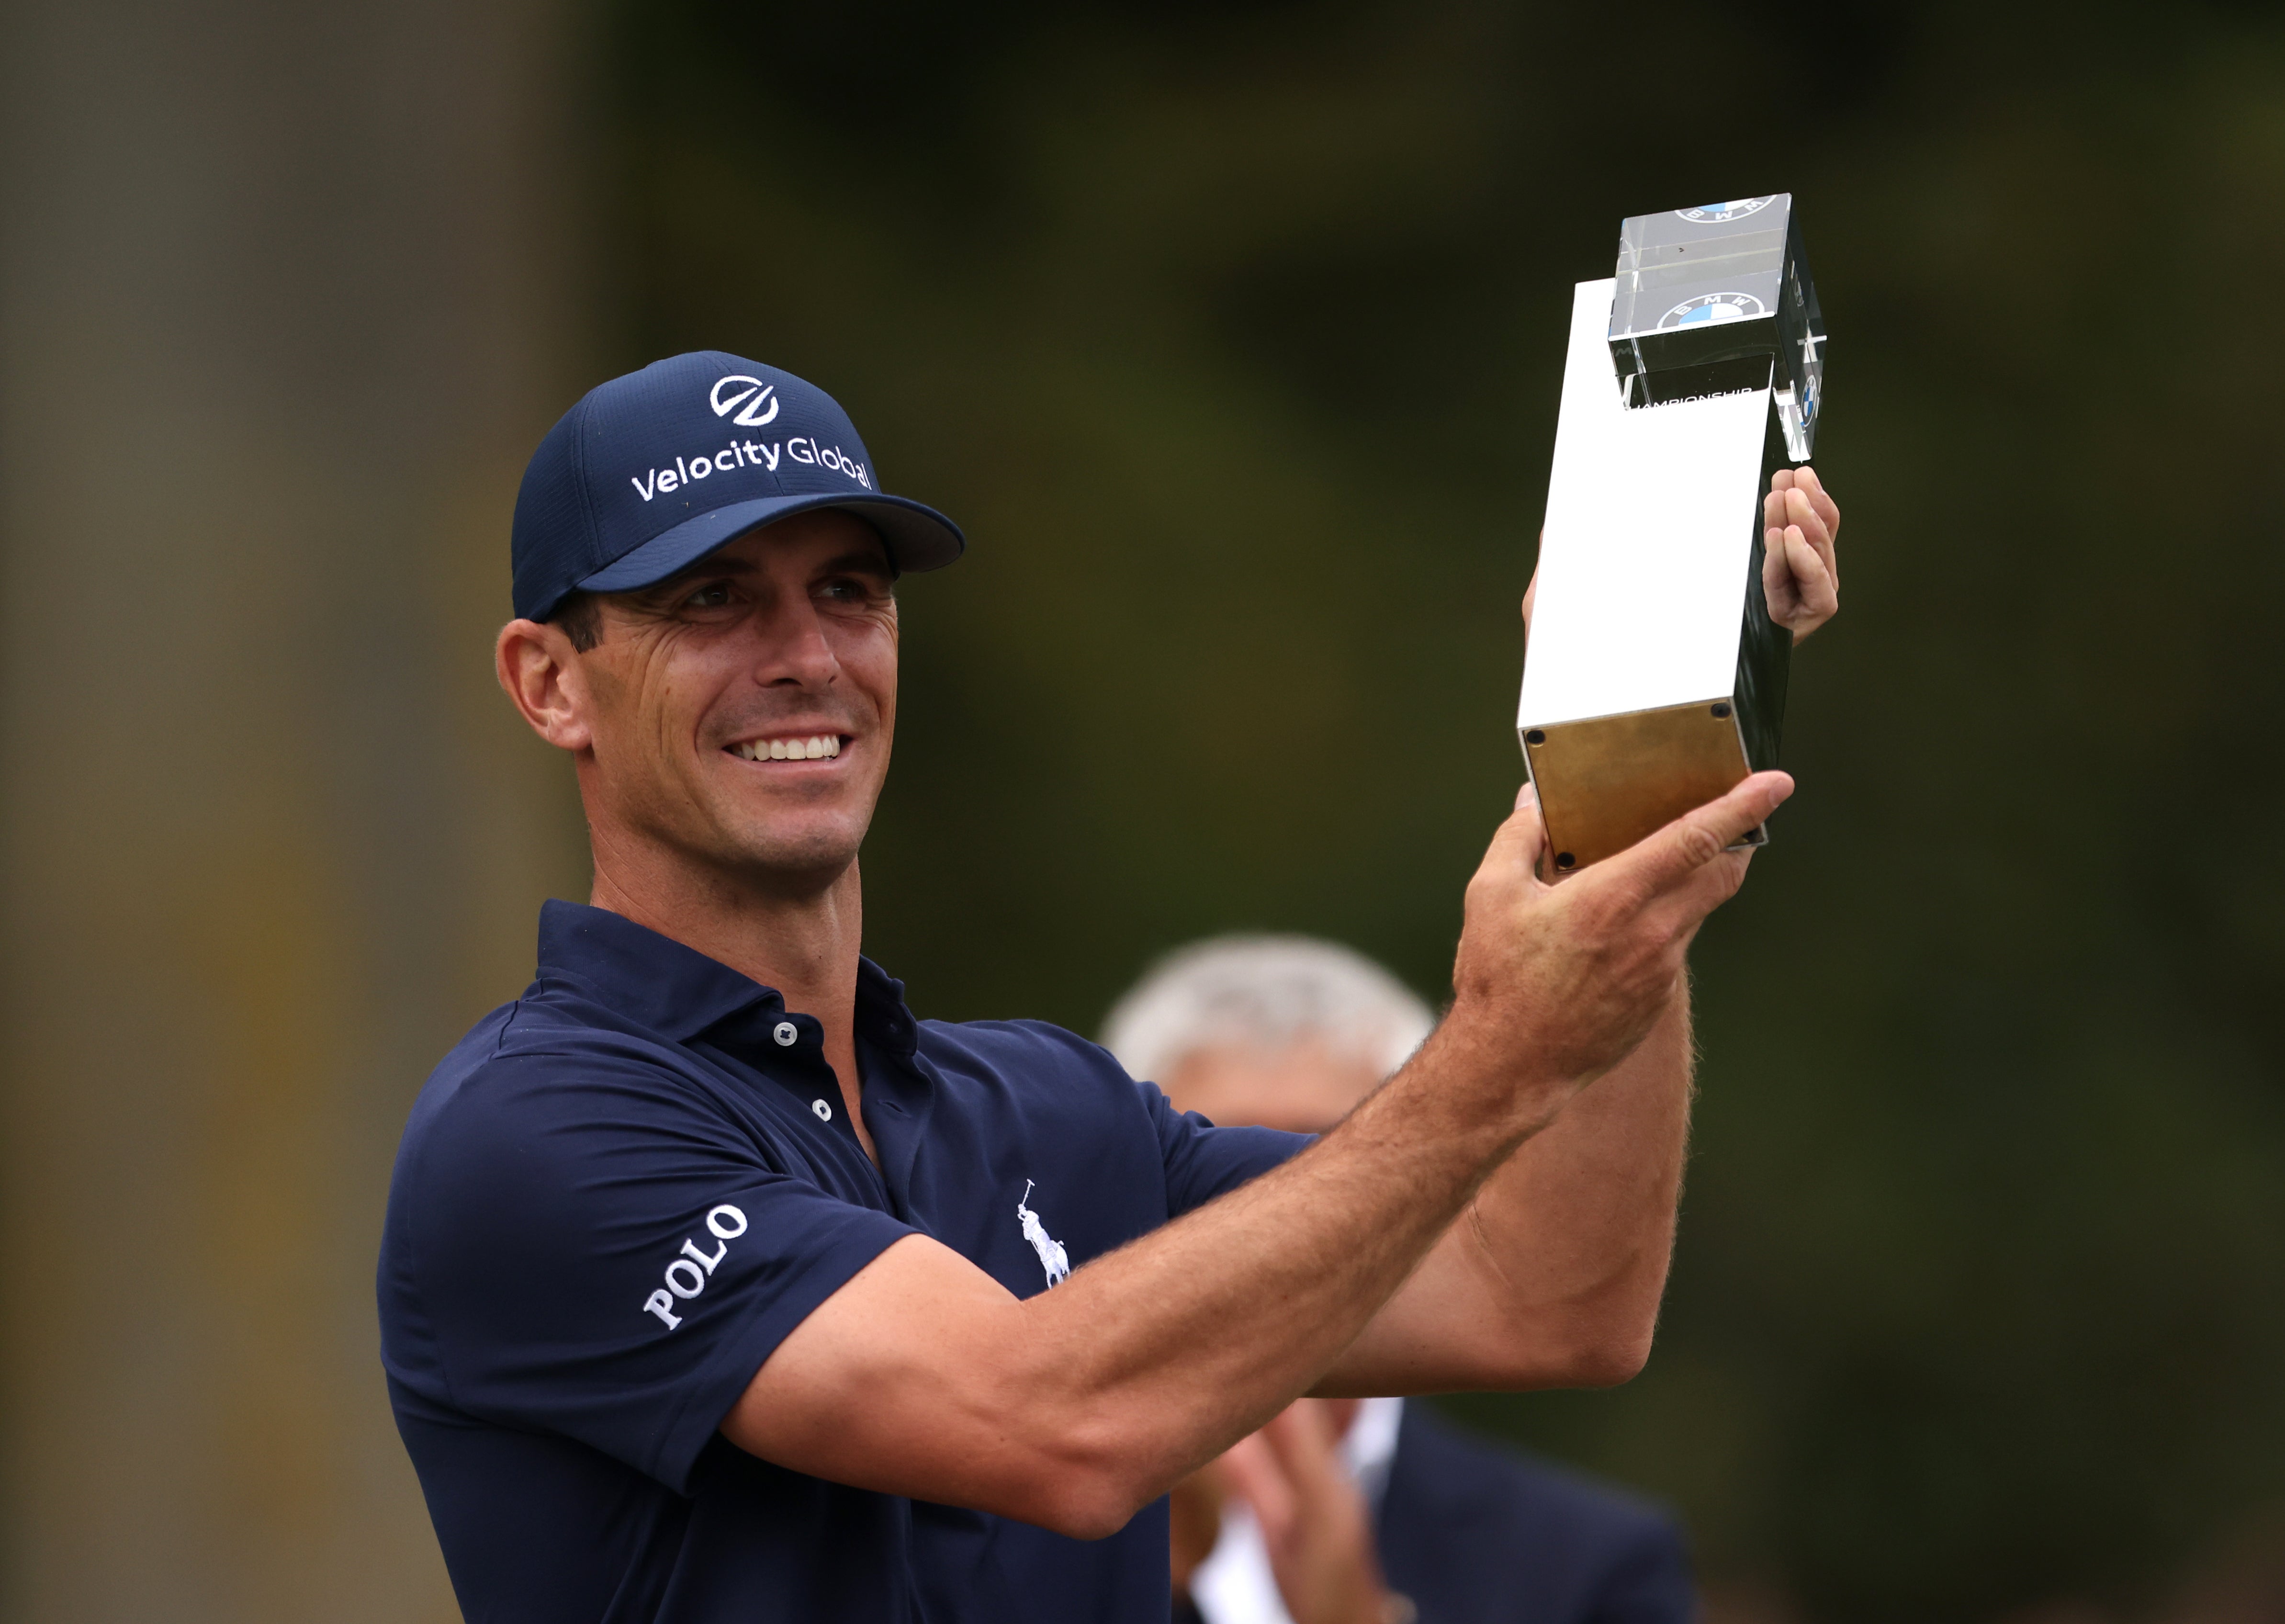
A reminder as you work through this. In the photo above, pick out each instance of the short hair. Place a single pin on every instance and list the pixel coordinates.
(581, 616)
(1265, 992)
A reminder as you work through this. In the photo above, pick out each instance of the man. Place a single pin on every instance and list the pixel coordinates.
(707, 1288)
(1349, 1511)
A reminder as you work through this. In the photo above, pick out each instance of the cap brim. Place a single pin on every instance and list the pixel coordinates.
(918, 537)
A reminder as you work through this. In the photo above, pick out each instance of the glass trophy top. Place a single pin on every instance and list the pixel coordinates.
(1717, 299)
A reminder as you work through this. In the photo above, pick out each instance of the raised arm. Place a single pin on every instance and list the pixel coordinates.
(1072, 1409)
(1552, 1276)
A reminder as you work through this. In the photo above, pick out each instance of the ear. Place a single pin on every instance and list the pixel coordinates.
(541, 671)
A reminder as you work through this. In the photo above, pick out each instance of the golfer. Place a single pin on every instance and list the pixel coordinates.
(716, 1286)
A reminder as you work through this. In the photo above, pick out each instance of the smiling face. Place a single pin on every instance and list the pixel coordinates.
(736, 718)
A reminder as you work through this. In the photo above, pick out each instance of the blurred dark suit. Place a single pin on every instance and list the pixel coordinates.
(1475, 1535)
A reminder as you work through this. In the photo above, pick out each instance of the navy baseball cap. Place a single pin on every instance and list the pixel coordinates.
(654, 470)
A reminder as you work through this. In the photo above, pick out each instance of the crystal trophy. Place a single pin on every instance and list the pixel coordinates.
(1654, 680)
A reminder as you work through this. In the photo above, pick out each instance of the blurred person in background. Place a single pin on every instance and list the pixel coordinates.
(1362, 1511)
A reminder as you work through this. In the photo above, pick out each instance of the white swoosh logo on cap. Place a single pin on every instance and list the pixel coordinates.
(749, 418)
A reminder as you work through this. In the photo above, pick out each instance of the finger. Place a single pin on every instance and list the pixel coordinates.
(1805, 479)
(1818, 591)
(1531, 594)
(1773, 505)
(1517, 842)
(1802, 514)
(1808, 514)
(1777, 588)
(1254, 1476)
(1803, 522)
(1667, 860)
(1800, 510)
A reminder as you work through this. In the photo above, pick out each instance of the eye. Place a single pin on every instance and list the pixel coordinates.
(713, 595)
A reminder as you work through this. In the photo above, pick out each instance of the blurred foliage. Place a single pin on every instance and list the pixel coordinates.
(1232, 334)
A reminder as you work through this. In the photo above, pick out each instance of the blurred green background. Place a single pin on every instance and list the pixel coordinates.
(1232, 334)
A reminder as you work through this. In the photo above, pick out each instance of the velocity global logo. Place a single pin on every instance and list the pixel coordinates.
(750, 397)
(688, 470)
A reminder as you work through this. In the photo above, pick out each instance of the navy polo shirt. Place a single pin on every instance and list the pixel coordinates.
(619, 1194)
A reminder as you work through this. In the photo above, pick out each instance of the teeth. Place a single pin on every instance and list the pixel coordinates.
(823, 746)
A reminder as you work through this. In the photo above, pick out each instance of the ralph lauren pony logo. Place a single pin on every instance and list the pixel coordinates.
(1053, 1258)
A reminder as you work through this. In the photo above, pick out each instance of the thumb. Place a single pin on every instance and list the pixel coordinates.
(1520, 839)
(1663, 860)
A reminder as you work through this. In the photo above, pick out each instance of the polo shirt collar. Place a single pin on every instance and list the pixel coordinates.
(677, 991)
(882, 1015)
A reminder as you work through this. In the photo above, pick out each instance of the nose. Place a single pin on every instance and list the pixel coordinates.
(793, 650)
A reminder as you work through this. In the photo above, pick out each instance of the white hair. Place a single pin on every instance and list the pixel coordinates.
(1265, 993)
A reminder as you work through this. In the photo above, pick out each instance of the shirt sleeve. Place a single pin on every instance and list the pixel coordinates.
(1204, 1161)
(594, 1250)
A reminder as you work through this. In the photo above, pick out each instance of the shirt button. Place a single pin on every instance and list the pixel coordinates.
(824, 1111)
(785, 1032)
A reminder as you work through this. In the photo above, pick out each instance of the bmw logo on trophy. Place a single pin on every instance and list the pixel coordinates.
(1654, 678)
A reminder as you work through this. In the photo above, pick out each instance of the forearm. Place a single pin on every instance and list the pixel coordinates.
(1195, 1334)
(1552, 1275)
(1577, 1228)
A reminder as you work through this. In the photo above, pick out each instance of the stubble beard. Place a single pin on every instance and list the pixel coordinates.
(794, 854)
(796, 867)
